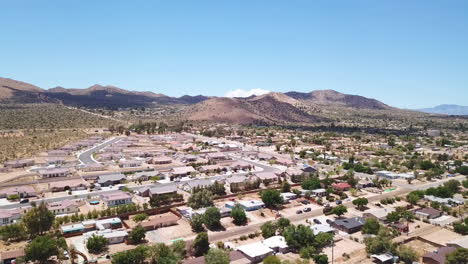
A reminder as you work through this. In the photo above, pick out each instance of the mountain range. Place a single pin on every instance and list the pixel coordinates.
(271, 108)
(446, 109)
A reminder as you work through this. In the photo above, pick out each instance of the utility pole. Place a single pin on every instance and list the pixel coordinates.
(333, 245)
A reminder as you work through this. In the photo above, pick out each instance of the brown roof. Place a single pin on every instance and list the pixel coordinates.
(12, 254)
(440, 255)
(160, 220)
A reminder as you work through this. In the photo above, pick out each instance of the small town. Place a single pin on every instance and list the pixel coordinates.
(258, 194)
(242, 132)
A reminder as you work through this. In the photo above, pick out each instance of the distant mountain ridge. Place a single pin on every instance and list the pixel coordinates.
(270, 108)
(446, 109)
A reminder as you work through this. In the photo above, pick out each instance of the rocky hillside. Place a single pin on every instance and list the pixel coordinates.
(334, 98)
(272, 108)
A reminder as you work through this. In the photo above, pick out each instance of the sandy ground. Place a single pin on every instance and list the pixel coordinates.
(166, 234)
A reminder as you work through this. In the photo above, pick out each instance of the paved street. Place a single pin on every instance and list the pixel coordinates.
(86, 157)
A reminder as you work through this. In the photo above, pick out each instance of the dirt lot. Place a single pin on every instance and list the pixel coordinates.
(166, 234)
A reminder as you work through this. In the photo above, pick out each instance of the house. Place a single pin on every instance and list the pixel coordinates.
(322, 228)
(438, 256)
(182, 171)
(216, 156)
(73, 185)
(240, 165)
(349, 225)
(210, 168)
(459, 242)
(285, 161)
(22, 191)
(319, 192)
(252, 205)
(54, 172)
(111, 179)
(63, 207)
(288, 196)
(116, 198)
(255, 252)
(56, 161)
(401, 227)
(235, 257)
(267, 177)
(229, 147)
(277, 244)
(158, 190)
(239, 183)
(130, 163)
(93, 167)
(112, 236)
(341, 186)
(383, 258)
(160, 221)
(378, 213)
(444, 201)
(146, 175)
(9, 216)
(427, 213)
(161, 160)
(71, 230)
(109, 223)
(10, 256)
(19, 163)
(200, 183)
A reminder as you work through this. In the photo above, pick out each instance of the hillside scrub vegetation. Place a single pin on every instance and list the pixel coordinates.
(48, 116)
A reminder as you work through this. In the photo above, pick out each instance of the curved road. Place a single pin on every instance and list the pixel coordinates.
(86, 157)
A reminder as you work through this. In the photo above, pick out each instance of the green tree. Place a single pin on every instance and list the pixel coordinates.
(137, 234)
(201, 199)
(212, 218)
(38, 220)
(271, 198)
(382, 243)
(320, 259)
(41, 249)
(238, 215)
(268, 229)
(339, 210)
(14, 232)
(133, 256)
(140, 217)
(161, 253)
(298, 237)
(311, 183)
(286, 187)
(197, 223)
(322, 240)
(282, 223)
(407, 254)
(96, 244)
(216, 256)
(307, 252)
(371, 226)
(272, 260)
(201, 245)
(459, 256)
(360, 202)
(179, 248)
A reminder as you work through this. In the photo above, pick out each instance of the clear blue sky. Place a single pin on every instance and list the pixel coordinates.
(405, 53)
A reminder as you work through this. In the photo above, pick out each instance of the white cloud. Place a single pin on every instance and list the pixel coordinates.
(245, 93)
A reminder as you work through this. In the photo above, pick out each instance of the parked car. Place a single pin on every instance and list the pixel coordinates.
(299, 212)
(327, 205)
(339, 202)
(24, 201)
(307, 209)
(317, 221)
(304, 202)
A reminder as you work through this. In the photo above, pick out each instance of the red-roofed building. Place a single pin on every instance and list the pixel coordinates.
(343, 186)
